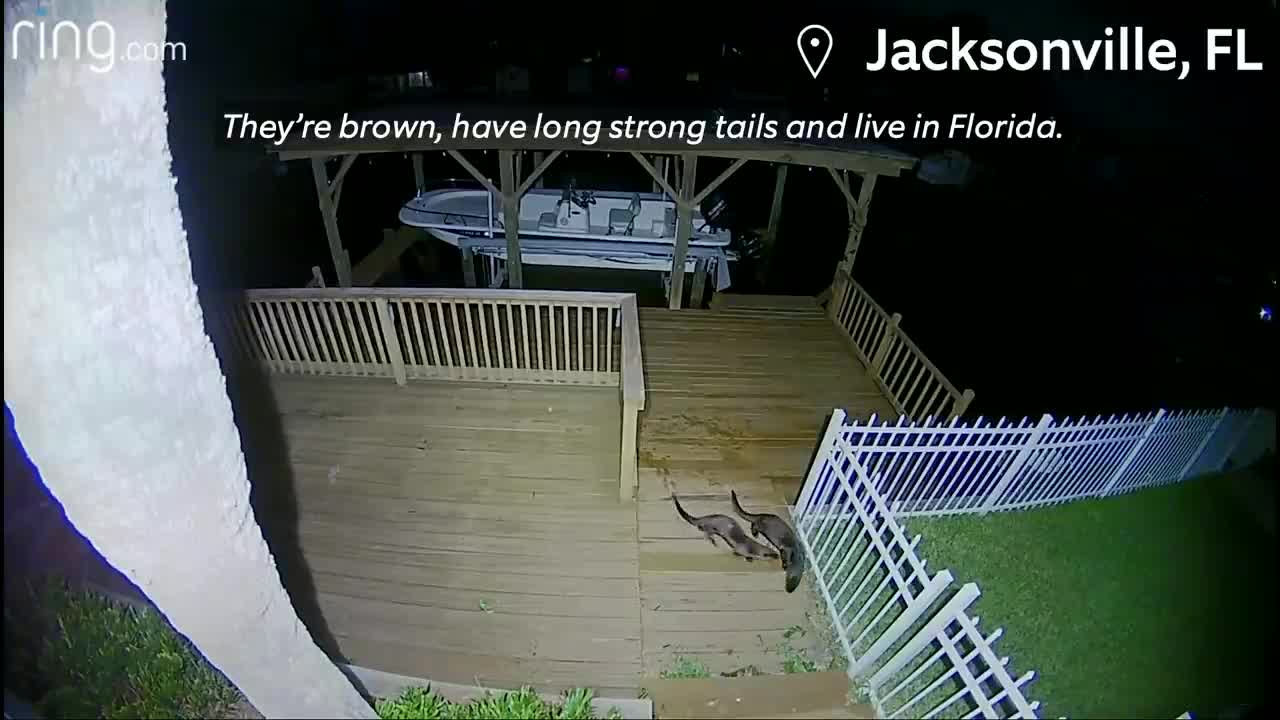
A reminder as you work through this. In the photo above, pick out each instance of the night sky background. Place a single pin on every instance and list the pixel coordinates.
(1119, 269)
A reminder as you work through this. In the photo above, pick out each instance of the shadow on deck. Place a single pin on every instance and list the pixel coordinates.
(471, 533)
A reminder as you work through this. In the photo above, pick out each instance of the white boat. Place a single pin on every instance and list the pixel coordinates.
(572, 228)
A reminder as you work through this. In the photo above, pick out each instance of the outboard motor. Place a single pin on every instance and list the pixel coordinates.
(716, 211)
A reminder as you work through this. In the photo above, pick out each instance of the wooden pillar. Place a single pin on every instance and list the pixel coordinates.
(857, 220)
(684, 229)
(771, 232)
(419, 179)
(511, 216)
(537, 162)
(659, 164)
(699, 283)
(341, 262)
(468, 267)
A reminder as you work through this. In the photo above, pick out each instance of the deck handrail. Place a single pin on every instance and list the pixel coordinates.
(632, 364)
(911, 381)
(459, 334)
(598, 298)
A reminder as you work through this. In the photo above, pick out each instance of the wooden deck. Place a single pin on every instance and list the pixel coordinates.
(737, 399)
(471, 533)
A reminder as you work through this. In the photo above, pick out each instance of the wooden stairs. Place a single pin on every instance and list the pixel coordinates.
(800, 695)
(776, 305)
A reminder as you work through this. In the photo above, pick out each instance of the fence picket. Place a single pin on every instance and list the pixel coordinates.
(1133, 453)
(933, 468)
(1204, 442)
(1019, 461)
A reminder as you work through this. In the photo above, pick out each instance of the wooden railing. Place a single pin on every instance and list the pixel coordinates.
(514, 336)
(915, 386)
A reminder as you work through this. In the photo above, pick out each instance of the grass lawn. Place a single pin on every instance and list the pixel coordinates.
(1145, 605)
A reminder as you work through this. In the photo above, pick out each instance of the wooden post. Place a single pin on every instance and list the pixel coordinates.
(537, 160)
(392, 342)
(699, 283)
(468, 267)
(886, 340)
(839, 286)
(1203, 442)
(341, 263)
(1029, 446)
(511, 217)
(660, 164)
(1133, 453)
(627, 478)
(857, 210)
(775, 215)
(419, 179)
(684, 230)
(962, 404)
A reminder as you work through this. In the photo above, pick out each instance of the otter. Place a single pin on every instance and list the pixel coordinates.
(727, 529)
(780, 536)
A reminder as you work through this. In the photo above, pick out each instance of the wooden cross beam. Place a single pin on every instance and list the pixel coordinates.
(471, 169)
(697, 200)
(537, 173)
(857, 209)
(336, 186)
(329, 213)
(662, 182)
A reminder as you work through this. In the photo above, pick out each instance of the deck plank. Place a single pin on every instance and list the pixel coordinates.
(458, 531)
(737, 400)
(471, 532)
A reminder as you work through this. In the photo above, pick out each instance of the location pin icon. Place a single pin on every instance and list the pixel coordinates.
(815, 44)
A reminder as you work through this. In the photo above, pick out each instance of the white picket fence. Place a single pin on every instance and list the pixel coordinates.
(976, 467)
(916, 650)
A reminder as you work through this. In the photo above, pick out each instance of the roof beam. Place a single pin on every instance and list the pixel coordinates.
(865, 162)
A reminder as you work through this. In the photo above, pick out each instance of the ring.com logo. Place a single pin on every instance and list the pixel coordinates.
(94, 44)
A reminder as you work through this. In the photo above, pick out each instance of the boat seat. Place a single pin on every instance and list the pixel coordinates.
(621, 222)
(624, 219)
(547, 221)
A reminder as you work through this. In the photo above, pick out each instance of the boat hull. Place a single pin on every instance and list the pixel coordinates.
(616, 217)
(562, 234)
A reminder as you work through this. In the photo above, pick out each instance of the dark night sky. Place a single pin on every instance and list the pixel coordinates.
(1142, 238)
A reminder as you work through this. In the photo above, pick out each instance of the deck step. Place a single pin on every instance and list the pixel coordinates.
(802, 695)
(732, 301)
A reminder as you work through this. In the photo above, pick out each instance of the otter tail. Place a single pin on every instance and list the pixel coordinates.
(687, 517)
(737, 506)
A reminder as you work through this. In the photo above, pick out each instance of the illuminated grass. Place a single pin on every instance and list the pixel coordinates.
(1146, 605)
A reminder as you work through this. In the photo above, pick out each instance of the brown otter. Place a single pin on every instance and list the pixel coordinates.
(727, 529)
(781, 536)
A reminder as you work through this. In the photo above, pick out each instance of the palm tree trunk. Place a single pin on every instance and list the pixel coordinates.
(114, 386)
